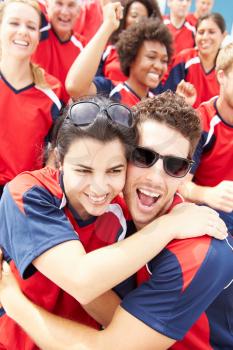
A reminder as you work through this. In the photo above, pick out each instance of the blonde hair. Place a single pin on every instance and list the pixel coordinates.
(37, 72)
(225, 58)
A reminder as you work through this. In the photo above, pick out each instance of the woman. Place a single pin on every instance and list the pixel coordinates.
(133, 11)
(144, 51)
(51, 218)
(197, 65)
(30, 98)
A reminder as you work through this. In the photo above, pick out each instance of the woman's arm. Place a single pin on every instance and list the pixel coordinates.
(82, 72)
(87, 276)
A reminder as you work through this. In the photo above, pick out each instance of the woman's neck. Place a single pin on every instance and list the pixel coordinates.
(208, 61)
(140, 89)
(17, 72)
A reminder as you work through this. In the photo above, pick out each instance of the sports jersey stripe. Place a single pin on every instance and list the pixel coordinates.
(76, 42)
(194, 60)
(107, 52)
(51, 94)
(45, 28)
(166, 21)
(118, 88)
(190, 27)
(117, 211)
(214, 121)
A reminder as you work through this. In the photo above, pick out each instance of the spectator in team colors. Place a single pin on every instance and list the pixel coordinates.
(202, 8)
(182, 31)
(30, 98)
(133, 11)
(144, 50)
(211, 178)
(197, 65)
(59, 45)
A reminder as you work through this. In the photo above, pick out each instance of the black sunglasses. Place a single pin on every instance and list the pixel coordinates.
(85, 112)
(173, 166)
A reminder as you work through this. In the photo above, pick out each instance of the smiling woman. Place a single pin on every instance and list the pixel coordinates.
(25, 88)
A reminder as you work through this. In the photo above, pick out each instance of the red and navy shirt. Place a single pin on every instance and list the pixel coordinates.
(26, 117)
(35, 217)
(185, 293)
(109, 66)
(118, 91)
(57, 56)
(214, 153)
(187, 65)
(183, 37)
(89, 19)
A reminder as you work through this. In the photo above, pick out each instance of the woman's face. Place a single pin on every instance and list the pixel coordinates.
(209, 37)
(136, 11)
(93, 174)
(19, 33)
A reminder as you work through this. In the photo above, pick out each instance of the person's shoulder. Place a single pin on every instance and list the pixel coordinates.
(207, 110)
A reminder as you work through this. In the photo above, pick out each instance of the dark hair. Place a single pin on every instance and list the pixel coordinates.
(172, 110)
(102, 129)
(152, 9)
(131, 39)
(216, 17)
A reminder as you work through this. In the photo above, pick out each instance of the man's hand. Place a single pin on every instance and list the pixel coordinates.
(220, 197)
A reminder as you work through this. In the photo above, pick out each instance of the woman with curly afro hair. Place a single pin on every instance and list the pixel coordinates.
(144, 51)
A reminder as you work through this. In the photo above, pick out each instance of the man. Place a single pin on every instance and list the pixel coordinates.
(59, 45)
(202, 8)
(186, 299)
(211, 178)
(182, 31)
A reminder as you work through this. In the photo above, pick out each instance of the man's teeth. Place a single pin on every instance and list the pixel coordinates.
(21, 42)
(98, 199)
(149, 193)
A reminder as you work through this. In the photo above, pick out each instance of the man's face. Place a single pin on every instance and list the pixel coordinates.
(149, 191)
(179, 8)
(203, 7)
(226, 87)
(62, 15)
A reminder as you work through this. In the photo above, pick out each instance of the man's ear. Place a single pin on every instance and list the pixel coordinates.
(220, 76)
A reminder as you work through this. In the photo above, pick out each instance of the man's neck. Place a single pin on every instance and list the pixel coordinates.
(177, 22)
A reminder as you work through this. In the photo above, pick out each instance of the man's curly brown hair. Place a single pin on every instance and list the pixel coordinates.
(131, 39)
(172, 110)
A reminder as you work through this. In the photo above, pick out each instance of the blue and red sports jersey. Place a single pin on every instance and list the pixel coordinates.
(89, 19)
(185, 293)
(118, 91)
(34, 209)
(214, 153)
(187, 65)
(109, 66)
(26, 117)
(183, 37)
(192, 19)
(57, 56)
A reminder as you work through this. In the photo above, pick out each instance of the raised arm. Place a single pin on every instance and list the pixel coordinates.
(81, 74)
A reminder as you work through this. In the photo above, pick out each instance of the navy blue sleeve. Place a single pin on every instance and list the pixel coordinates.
(125, 287)
(177, 73)
(165, 305)
(103, 85)
(30, 230)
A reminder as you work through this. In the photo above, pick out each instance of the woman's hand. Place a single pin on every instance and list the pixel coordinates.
(188, 91)
(112, 13)
(190, 220)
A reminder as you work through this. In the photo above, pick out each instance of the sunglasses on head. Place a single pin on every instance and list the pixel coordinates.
(174, 166)
(85, 112)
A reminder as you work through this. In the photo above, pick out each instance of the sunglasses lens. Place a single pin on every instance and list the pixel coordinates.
(143, 158)
(83, 113)
(176, 167)
(120, 114)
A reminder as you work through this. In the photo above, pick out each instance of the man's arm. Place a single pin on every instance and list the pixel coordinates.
(219, 197)
(51, 332)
